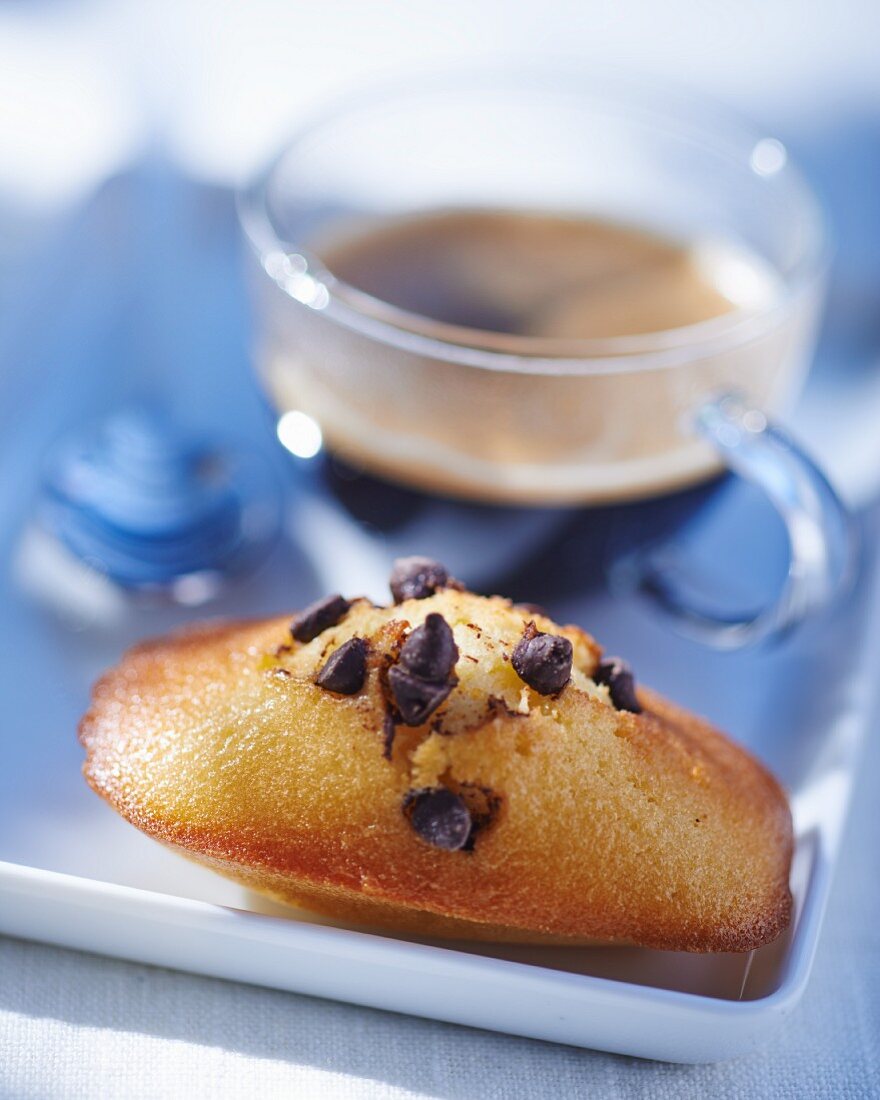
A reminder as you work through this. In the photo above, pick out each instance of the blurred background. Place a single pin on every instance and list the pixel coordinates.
(85, 83)
(124, 126)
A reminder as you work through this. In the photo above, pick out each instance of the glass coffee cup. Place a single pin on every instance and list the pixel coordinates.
(497, 430)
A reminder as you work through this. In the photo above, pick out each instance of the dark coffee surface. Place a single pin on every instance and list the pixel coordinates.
(524, 274)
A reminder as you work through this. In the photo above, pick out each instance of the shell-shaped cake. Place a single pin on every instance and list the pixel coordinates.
(449, 765)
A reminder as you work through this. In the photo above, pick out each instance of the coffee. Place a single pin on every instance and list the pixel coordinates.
(479, 277)
(523, 357)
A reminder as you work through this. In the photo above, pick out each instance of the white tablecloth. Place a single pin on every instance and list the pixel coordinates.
(78, 1027)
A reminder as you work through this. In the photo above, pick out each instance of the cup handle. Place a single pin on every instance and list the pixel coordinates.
(821, 531)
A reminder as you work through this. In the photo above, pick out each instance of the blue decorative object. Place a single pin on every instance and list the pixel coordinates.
(147, 506)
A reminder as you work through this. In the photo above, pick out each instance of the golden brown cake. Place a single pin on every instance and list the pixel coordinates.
(450, 765)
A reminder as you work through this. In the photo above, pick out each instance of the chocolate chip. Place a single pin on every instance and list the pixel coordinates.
(618, 677)
(416, 699)
(389, 729)
(439, 817)
(318, 616)
(543, 660)
(482, 804)
(345, 669)
(430, 651)
(416, 578)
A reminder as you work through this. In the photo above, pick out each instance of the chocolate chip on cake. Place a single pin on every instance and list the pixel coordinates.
(482, 804)
(618, 678)
(430, 651)
(416, 699)
(423, 676)
(417, 578)
(439, 816)
(318, 616)
(543, 661)
(389, 729)
(345, 670)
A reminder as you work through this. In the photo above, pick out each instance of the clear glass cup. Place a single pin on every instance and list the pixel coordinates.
(541, 421)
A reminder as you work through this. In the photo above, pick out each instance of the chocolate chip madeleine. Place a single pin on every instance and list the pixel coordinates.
(450, 765)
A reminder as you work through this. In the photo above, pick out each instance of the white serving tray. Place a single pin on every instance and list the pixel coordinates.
(73, 873)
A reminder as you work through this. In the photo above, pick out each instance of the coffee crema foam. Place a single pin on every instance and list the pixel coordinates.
(535, 287)
(476, 276)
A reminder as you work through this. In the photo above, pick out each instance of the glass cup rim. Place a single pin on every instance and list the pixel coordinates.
(305, 279)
